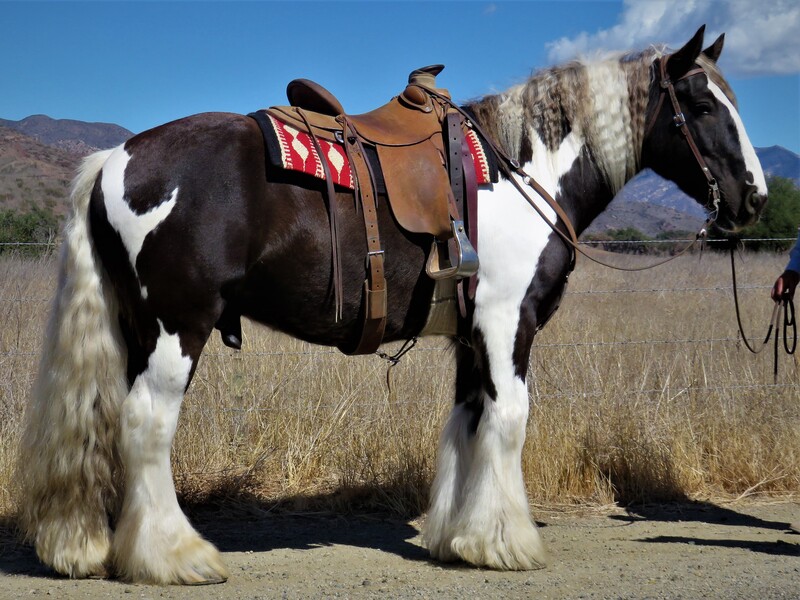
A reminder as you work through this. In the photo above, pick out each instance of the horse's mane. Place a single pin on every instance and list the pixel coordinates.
(603, 99)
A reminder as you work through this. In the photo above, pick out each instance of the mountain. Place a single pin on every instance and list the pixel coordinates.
(39, 155)
(75, 137)
(777, 160)
(652, 204)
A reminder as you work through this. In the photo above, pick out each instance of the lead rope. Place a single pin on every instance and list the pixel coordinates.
(784, 308)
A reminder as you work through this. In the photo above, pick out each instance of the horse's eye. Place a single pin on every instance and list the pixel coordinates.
(703, 108)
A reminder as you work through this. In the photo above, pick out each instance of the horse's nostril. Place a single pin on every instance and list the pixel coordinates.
(755, 202)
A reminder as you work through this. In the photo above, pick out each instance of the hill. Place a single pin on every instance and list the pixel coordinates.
(33, 174)
(39, 155)
(75, 137)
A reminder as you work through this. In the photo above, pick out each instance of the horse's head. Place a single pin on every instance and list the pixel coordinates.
(695, 137)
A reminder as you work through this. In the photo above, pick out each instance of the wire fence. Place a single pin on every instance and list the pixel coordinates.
(314, 352)
(744, 241)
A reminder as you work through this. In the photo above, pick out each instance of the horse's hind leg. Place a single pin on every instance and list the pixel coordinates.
(154, 541)
(479, 509)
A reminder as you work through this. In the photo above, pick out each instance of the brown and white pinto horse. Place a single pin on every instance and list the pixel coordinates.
(184, 228)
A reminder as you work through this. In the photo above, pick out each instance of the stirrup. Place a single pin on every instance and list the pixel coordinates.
(461, 260)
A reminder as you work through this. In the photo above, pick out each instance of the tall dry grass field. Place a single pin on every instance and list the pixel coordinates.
(639, 391)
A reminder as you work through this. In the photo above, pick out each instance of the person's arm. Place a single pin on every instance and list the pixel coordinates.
(786, 283)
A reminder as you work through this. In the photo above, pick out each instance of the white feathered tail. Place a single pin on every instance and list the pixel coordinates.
(68, 466)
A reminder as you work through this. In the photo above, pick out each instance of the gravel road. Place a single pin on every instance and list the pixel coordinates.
(739, 551)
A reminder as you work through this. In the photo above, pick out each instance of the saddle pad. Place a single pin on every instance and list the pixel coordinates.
(289, 148)
(294, 150)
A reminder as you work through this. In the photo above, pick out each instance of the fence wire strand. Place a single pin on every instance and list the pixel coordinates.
(320, 353)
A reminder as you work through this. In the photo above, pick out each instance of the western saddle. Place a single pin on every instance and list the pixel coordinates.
(428, 173)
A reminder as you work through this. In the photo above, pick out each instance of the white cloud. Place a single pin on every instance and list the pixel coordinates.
(762, 37)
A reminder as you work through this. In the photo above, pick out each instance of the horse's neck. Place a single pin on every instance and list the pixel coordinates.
(578, 129)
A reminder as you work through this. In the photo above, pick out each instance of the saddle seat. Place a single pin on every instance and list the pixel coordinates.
(407, 119)
(407, 136)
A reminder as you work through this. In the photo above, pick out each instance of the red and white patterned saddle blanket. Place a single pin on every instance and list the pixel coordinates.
(294, 150)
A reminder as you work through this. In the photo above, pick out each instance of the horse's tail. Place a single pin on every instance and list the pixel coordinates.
(68, 461)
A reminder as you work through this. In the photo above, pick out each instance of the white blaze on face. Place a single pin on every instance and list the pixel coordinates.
(133, 228)
(751, 161)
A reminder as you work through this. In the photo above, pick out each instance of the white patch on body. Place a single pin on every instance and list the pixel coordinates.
(479, 509)
(751, 161)
(133, 228)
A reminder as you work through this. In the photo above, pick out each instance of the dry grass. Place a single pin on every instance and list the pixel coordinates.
(620, 412)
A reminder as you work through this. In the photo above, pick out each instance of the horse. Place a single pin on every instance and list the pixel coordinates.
(185, 228)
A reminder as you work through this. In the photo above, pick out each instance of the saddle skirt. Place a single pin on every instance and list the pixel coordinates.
(291, 148)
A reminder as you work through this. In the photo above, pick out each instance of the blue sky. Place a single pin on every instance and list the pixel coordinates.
(139, 64)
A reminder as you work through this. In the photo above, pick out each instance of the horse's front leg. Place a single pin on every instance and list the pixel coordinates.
(154, 542)
(479, 508)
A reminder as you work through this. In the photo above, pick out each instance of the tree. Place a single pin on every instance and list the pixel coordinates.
(37, 226)
(780, 217)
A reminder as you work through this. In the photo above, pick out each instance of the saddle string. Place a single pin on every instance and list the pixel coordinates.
(783, 308)
(336, 260)
(394, 359)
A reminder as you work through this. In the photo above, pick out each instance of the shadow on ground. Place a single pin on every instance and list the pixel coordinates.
(240, 523)
(696, 511)
(712, 514)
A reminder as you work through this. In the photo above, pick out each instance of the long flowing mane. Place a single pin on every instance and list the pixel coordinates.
(602, 101)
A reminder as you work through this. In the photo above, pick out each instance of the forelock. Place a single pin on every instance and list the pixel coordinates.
(715, 75)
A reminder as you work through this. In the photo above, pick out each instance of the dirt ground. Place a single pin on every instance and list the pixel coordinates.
(739, 551)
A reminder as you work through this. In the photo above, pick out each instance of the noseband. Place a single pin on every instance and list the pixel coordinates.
(679, 119)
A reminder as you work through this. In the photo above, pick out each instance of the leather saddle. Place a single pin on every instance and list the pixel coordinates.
(419, 142)
(407, 134)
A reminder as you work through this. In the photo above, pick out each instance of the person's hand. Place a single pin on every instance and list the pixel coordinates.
(785, 285)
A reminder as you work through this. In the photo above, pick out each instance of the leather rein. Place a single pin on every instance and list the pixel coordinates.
(511, 167)
(785, 308)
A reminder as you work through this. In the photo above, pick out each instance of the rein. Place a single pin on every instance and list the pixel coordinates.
(511, 166)
(783, 308)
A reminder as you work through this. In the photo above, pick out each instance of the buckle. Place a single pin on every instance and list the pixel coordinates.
(370, 254)
(679, 119)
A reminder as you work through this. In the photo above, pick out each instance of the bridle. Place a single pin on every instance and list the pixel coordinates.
(668, 89)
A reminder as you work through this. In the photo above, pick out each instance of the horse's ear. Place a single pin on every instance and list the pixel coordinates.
(715, 49)
(683, 60)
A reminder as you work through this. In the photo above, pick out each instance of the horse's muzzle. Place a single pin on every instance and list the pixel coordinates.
(753, 204)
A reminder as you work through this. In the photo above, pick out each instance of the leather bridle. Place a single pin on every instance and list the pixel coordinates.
(668, 89)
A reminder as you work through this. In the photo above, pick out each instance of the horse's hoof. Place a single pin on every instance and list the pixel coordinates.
(208, 581)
